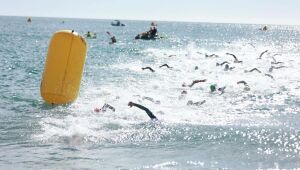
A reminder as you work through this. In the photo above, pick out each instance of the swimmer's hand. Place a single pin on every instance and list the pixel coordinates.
(130, 104)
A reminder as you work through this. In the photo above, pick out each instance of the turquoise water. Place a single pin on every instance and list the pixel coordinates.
(256, 129)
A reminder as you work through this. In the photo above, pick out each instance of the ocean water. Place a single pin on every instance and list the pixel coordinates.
(240, 129)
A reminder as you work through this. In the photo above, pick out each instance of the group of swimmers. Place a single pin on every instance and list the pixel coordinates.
(213, 88)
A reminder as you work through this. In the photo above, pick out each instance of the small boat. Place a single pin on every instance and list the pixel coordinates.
(117, 23)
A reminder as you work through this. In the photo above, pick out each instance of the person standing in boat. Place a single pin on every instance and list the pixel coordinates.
(153, 30)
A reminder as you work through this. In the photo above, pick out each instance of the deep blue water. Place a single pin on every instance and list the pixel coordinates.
(256, 129)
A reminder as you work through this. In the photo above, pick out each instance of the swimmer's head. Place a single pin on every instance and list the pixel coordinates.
(130, 104)
(226, 66)
(213, 87)
(246, 88)
(190, 102)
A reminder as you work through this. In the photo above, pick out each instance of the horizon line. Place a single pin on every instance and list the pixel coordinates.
(150, 20)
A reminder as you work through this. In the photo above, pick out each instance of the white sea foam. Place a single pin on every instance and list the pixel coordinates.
(234, 107)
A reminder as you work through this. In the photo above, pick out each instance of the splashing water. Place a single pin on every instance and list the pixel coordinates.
(242, 129)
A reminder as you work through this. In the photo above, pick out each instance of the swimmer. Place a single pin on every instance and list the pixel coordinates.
(104, 107)
(228, 68)
(194, 82)
(221, 64)
(196, 68)
(275, 61)
(88, 34)
(212, 55)
(254, 69)
(184, 92)
(149, 113)
(113, 40)
(222, 89)
(242, 82)
(112, 37)
(151, 100)
(165, 65)
(235, 58)
(246, 86)
(149, 68)
(275, 55)
(272, 67)
(269, 75)
(172, 55)
(182, 95)
(279, 62)
(251, 45)
(260, 56)
(190, 102)
(213, 88)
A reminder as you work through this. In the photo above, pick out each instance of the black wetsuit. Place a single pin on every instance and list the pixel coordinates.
(149, 113)
(105, 106)
(113, 39)
(153, 32)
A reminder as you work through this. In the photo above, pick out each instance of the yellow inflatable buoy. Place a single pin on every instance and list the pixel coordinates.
(63, 68)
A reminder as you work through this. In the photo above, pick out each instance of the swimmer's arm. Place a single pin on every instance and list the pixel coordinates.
(225, 62)
(110, 107)
(262, 54)
(255, 69)
(235, 58)
(242, 82)
(149, 113)
(149, 68)
(165, 65)
(197, 81)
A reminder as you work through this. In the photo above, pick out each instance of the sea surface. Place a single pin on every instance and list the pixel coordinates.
(256, 128)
